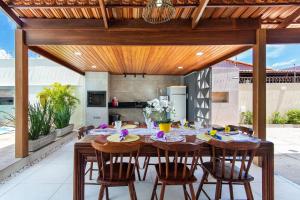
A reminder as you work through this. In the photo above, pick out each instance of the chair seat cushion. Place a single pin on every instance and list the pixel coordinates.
(116, 171)
(217, 173)
(172, 179)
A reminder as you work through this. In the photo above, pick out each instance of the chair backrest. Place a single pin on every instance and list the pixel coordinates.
(181, 152)
(81, 132)
(88, 128)
(108, 155)
(243, 151)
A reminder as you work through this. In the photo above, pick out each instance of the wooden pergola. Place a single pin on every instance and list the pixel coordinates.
(112, 36)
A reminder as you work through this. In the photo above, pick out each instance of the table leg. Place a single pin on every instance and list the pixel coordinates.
(78, 182)
(268, 175)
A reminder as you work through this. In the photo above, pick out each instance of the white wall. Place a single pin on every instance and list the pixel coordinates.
(225, 80)
(281, 97)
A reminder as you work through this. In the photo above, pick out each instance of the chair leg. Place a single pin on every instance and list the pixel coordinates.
(101, 193)
(138, 169)
(146, 164)
(193, 196)
(131, 191)
(248, 191)
(218, 190)
(162, 192)
(154, 189)
(91, 170)
(185, 192)
(204, 177)
(106, 193)
(231, 191)
(134, 191)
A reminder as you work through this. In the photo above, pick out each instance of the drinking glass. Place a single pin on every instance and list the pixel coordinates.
(118, 125)
(182, 123)
(198, 125)
(149, 124)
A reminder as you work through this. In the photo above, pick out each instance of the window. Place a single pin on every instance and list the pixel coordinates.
(6, 101)
(220, 97)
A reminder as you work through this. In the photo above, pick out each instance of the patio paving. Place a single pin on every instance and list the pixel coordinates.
(287, 152)
(51, 179)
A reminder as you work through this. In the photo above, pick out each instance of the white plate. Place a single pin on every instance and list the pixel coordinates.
(168, 138)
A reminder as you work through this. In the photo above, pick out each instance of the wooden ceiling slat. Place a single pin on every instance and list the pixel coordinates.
(139, 59)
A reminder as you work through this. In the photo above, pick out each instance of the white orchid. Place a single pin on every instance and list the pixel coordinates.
(160, 110)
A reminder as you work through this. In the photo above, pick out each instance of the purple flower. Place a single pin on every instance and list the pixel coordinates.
(155, 124)
(103, 126)
(124, 132)
(160, 134)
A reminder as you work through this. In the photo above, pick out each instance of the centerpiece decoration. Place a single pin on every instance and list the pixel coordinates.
(160, 111)
(123, 134)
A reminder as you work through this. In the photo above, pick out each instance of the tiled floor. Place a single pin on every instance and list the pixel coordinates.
(51, 179)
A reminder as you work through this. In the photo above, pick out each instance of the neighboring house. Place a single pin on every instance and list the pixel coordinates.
(42, 73)
(232, 90)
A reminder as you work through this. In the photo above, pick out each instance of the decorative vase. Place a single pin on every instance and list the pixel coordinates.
(165, 127)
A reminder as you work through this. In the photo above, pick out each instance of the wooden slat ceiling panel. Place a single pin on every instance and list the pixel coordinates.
(139, 59)
(277, 13)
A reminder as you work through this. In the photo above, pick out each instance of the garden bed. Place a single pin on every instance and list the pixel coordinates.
(34, 145)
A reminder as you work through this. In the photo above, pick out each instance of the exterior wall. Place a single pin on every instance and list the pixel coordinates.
(42, 73)
(225, 79)
(138, 89)
(281, 97)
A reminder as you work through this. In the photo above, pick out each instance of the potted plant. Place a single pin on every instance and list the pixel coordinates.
(40, 123)
(160, 111)
(62, 99)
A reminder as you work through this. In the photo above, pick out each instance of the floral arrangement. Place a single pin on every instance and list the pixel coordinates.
(102, 126)
(159, 110)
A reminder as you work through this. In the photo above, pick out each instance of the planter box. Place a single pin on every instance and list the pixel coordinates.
(63, 131)
(283, 125)
(34, 145)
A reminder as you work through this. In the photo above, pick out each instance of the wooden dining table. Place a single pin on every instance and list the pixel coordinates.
(83, 149)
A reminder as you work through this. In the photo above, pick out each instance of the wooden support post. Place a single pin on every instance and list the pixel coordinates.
(259, 84)
(21, 95)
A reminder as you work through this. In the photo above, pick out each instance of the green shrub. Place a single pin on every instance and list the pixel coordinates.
(247, 117)
(40, 120)
(35, 114)
(293, 116)
(62, 116)
(277, 118)
(62, 101)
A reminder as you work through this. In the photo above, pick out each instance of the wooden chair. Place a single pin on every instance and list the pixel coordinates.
(176, 173)
(83, 131)
(116, 173)
(228, 172)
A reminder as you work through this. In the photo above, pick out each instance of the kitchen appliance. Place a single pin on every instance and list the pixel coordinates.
(177, 95)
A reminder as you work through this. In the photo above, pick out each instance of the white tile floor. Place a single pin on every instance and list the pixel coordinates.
(51, 179)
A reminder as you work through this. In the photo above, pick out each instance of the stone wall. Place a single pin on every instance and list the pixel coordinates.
(131, 89)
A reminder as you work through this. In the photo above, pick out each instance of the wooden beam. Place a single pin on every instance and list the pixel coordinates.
(224, 57)
(103, 12)
(141, 25)
(259, 84)
(98, 37)
(46, 54)
(198, 13)
(283, 36)
(290, 19)
(21, 95)
(10, 13)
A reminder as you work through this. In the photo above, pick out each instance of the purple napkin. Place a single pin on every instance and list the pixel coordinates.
(160, 134)
(103, 126)
(123, 134)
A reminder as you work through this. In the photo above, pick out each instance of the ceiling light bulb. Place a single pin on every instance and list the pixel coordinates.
(159, 3)
(94, 66)
(199, 53)
(180, 67)
(77, 53)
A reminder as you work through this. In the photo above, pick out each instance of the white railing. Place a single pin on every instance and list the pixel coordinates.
(274, 79)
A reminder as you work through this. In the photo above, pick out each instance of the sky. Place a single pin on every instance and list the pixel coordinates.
(278, 56)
